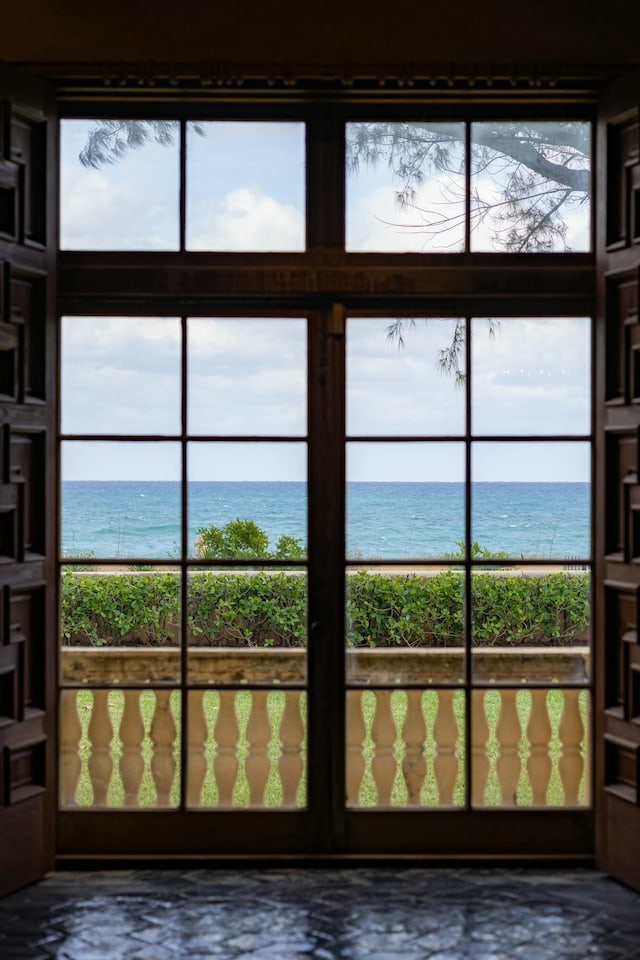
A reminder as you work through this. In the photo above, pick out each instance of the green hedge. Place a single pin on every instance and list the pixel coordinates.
(269, 609)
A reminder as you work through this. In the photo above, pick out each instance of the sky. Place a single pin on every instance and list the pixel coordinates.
(245, 190)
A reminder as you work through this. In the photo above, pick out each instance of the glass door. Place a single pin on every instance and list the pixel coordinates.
(468, 571)
(184, 564)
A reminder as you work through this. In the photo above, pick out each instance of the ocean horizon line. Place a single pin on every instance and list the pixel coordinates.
(405, 482)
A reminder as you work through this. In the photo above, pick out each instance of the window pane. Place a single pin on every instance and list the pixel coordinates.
(531, 376)
(405, 376)
(531, 500)
(247, 376)
(531, 624)
(120, 500)
(405, 748)
(137, 736)
(119, 625)
(404, 500)
(247, 625)
(531, 186)
(530, 748)
(260, 484)
(405, 187)
(245, 186)
(119, 185)
(120, 375)
(404, 625)
(247, 749)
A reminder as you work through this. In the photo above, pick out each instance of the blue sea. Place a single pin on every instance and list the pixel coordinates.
(125, 519)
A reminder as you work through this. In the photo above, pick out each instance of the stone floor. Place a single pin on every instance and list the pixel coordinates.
(322, 914)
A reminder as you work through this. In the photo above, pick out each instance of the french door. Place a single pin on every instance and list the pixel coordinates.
(370, 723)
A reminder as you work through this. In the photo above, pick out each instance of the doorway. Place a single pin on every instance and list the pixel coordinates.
(272, 676)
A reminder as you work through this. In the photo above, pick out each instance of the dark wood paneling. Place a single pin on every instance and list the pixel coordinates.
(27, 481)
(618, 523)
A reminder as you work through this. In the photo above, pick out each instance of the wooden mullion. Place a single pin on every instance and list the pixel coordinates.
(326, 666)
(325, 180)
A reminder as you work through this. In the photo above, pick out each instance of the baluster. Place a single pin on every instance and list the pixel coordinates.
(226, 732)
(132, 735)
(571, 733)
(445, 735)
(508, 732)
(479, 740)
(197, 761)
(257, 764)
(70, 735)
(290, 764)
(356, 733)
(383, 733)
(583, 699)
(100, 735)
(414, 731)
(539, 763)
(163, 737)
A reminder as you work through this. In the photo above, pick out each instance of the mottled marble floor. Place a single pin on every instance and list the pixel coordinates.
(322, 914)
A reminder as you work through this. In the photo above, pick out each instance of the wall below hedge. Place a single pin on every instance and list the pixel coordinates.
(269, 609)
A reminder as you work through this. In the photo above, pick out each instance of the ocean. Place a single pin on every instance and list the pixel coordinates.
(126, 519)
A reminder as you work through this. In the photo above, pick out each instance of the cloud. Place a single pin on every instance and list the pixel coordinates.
(122, 375)
(245, 219)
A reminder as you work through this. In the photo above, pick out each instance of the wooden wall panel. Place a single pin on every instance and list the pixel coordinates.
(618, 522)
(27, 481)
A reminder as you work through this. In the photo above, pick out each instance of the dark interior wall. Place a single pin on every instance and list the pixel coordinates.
(329, 31)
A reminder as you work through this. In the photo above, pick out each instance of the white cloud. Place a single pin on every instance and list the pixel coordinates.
(245, 219)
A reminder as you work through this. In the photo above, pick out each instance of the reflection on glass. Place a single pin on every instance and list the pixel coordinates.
(247, 748)
(120, 375)
(247, 376)
(531, 375)
(247, 626)
(120, 748)
(103, 610)
(531, 186)
(530, 748)
(405, 376)
(245, 186)
(119, 185)
(531, 625)
(405, 187)
(405, 625)
(531, 500)
(120, 499)
(247, 501)
(405, 748)
(404, 500)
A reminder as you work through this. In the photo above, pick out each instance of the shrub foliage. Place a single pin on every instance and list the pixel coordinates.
(268, 608)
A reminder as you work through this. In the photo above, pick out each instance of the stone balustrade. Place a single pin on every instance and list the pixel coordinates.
(246, 746)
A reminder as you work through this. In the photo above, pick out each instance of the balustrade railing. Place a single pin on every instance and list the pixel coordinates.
(246, 745)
